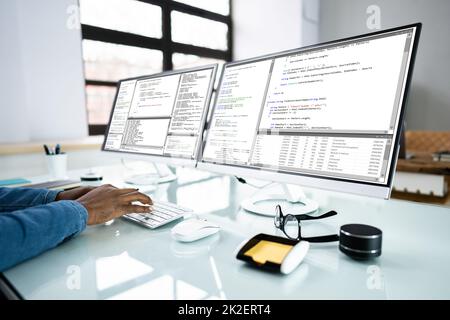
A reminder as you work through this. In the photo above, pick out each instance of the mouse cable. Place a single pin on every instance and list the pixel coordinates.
(243, 181)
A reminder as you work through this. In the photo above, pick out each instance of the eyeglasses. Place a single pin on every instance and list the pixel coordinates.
(291, 225)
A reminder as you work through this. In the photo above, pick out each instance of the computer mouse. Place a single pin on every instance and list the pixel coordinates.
(294, 257)
(193, 229)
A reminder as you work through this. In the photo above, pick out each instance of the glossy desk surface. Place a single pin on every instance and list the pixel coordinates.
(122, 260)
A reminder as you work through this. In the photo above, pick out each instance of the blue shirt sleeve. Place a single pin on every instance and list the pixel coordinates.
(28, 232)
(12, 199)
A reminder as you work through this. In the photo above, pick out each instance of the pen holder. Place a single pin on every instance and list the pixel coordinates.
(57, 165)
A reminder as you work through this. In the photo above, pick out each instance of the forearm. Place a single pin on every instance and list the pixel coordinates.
(12, 199)
(29, 232)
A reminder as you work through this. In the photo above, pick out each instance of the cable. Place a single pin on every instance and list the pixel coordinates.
(243, 181)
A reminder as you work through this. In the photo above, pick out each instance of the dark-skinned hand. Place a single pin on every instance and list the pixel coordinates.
(108, 202)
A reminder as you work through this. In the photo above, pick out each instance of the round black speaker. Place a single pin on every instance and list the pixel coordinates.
(360, 241)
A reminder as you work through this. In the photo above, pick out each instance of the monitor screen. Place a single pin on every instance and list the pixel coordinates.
(331, 111)
(162, 114)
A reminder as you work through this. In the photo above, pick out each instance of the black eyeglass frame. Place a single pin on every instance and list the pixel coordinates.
(303, 217)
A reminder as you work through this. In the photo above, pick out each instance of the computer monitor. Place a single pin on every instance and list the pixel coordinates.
(161, 117)
(325, 116)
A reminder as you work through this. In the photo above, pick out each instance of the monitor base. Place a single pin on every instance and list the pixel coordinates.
(292, 194)
(163, 174)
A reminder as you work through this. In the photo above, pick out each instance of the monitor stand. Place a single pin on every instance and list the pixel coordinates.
(162, 174)
(292, 194)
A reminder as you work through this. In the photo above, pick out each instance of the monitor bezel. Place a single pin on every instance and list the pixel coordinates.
(173, 160)
(316, 181)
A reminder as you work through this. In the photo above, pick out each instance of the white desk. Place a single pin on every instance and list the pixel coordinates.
(123, 260)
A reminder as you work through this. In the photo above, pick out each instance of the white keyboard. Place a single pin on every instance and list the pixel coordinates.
(163, 212)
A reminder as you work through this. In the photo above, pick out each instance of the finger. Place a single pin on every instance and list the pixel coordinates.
(126, 190)
(136, 196)
(132, 208)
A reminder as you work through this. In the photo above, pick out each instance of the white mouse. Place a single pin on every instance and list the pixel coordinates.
(294, 257)
(193, 229)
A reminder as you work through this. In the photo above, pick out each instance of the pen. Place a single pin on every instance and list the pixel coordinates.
(58, 149)
(47, 152)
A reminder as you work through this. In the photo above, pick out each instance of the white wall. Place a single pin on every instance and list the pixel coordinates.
(42, 82)
(265, 26)
(429, 103)
(12, 101)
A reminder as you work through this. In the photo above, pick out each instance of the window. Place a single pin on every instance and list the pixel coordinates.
(127, 38)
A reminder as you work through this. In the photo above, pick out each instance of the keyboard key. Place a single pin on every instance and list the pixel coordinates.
(151, 222)
(135, 215)
(168, 212)
(174, 214)
(171, 207)
(162, 213)
(155, 217)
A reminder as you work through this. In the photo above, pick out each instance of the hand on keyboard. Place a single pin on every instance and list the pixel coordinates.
(108, 202)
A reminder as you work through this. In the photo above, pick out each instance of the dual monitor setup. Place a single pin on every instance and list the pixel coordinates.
(326, 116)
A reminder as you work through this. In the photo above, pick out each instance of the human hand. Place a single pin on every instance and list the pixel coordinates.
(73, 194)
(107, 202)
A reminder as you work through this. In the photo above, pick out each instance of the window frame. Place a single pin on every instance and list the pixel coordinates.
(165, 44)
